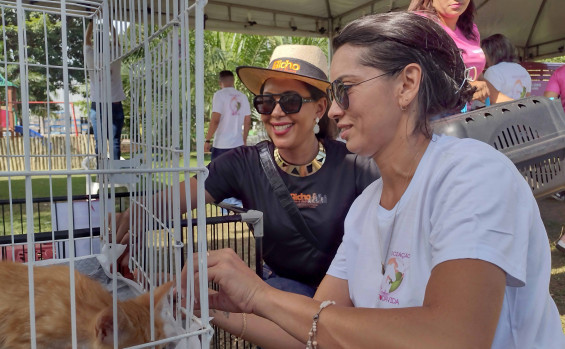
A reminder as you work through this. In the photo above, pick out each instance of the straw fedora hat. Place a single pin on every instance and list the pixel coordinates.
(299, 62)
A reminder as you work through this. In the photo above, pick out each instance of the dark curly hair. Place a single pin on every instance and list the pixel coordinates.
(393, 40)
(464, 23)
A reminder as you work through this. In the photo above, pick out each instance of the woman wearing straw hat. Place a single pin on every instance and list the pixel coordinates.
(303, 222)
(446, 250)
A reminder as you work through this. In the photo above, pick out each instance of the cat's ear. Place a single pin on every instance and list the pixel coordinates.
(161, 291)
(105, 325)
(158, 295)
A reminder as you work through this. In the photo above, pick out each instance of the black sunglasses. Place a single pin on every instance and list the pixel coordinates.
(338, 91)
(290, 102)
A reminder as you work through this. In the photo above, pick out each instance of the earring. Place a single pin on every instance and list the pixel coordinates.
(403, 107)
(317, 127)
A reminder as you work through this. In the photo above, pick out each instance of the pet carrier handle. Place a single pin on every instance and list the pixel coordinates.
(284, 197)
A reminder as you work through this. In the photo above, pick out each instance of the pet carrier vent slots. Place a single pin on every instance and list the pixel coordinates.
(530, 131)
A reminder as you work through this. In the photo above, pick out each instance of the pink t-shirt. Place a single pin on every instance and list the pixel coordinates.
(557, 84)
(473, 55)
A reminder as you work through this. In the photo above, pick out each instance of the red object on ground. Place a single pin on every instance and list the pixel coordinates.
(42, 251)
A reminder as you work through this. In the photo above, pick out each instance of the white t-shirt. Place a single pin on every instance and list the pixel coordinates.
(117, 89)
(510, 78)
(233, 106)
(466, 200)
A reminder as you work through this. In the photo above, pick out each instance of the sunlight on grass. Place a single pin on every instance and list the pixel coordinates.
(557, 271)
(42, 186)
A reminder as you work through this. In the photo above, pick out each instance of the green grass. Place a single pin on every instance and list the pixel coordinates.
(42, 187)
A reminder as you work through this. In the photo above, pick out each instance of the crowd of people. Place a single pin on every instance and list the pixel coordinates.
(413, 239)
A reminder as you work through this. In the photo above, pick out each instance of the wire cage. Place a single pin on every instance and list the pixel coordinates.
(227, 227)
(530, 131)
(160, 42)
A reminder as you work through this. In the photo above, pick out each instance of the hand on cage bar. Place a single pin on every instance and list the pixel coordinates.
(239, 287)
(123, 232)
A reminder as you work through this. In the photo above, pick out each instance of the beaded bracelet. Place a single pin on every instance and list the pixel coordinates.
(243, 329)
(312, 342)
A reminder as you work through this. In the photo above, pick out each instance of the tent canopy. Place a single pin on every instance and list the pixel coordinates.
(534, 26)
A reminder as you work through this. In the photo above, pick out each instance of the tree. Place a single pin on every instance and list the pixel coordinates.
(44, 48)
(560, 59)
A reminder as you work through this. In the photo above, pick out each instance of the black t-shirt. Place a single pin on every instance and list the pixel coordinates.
(323, 199)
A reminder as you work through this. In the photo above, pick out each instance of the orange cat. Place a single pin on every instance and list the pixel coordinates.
(94, 315)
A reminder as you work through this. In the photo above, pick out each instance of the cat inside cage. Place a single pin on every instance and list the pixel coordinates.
(52, 309)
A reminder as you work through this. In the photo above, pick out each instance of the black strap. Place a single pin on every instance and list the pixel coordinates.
(283, 195)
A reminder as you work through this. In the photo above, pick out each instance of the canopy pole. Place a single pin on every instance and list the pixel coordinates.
(330, 37)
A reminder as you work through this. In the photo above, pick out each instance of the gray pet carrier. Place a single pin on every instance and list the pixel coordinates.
(530, 131)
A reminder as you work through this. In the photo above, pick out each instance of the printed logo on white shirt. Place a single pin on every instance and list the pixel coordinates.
(395, 271)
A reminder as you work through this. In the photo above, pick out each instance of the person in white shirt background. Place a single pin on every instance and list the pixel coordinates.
(230, 112)
(503, 72)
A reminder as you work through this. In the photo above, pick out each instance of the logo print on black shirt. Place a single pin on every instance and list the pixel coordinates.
(309, 200)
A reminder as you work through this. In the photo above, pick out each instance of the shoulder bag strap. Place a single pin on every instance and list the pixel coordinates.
(283, 195)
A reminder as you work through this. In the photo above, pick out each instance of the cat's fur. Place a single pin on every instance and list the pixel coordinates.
(94, 315)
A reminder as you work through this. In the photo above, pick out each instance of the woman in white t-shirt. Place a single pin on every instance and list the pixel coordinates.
(446, 250)
(503, 73)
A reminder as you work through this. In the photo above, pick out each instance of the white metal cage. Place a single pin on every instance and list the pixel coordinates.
(163, 52)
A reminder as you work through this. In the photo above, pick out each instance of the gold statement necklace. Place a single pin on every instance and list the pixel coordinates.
(302, 170)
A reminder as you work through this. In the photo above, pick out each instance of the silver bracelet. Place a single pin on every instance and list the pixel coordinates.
(312, 341)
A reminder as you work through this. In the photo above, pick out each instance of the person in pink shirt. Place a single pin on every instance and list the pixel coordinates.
(556, 85)
(556, 88)
(456, 18)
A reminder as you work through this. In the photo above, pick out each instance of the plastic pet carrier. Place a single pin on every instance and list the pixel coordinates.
(530, 131)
